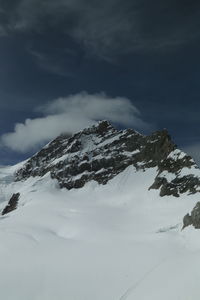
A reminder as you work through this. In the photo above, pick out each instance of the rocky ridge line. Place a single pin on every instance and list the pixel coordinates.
(101, 152)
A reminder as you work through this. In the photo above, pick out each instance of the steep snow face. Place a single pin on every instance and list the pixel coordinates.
(113, 242)
(101, 152)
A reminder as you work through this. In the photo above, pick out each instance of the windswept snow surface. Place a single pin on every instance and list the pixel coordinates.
(102, 242)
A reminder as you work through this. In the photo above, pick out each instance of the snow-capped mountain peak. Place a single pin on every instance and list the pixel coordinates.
(100, 152)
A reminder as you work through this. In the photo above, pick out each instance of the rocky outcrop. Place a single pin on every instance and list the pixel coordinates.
(176, 175)
(193, 218)
(101, 152)
(12, 204)
(177, 186)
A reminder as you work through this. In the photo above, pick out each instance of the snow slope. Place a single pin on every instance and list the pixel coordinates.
(102, 242)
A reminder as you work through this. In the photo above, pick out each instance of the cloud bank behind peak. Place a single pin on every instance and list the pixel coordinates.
(69, 115)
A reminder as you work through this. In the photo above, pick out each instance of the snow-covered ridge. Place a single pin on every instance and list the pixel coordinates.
(101, 152)
(113, 241)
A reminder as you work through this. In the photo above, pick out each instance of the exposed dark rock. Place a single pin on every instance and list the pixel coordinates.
(12, 204)
(101, 152)
(177, 186)
(194, 218)
(187, 221)
(168, 189)
(173, 164)
(159, 182)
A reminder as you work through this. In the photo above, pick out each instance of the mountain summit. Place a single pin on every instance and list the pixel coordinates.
(101, 152)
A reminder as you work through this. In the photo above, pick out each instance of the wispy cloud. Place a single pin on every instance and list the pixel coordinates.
(51, 64)
(111, 27)
(69, 115)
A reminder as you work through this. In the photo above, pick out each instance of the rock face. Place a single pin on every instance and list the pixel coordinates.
(12, 204)
(176, 175)
(101, 152)
(194, 218)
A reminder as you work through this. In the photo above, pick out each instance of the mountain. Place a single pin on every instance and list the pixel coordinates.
(99, 216)
(101, 152)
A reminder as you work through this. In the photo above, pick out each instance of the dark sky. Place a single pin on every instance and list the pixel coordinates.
(141, 50)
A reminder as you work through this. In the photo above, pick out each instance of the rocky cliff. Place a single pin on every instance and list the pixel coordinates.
(101, 152)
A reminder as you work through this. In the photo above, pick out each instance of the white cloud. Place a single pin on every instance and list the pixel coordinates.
(69, 115)
(34, 132)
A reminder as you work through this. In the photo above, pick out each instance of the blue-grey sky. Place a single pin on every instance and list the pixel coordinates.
(137, 61)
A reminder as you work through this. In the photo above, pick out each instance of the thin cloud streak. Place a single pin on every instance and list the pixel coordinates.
(110, 28)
